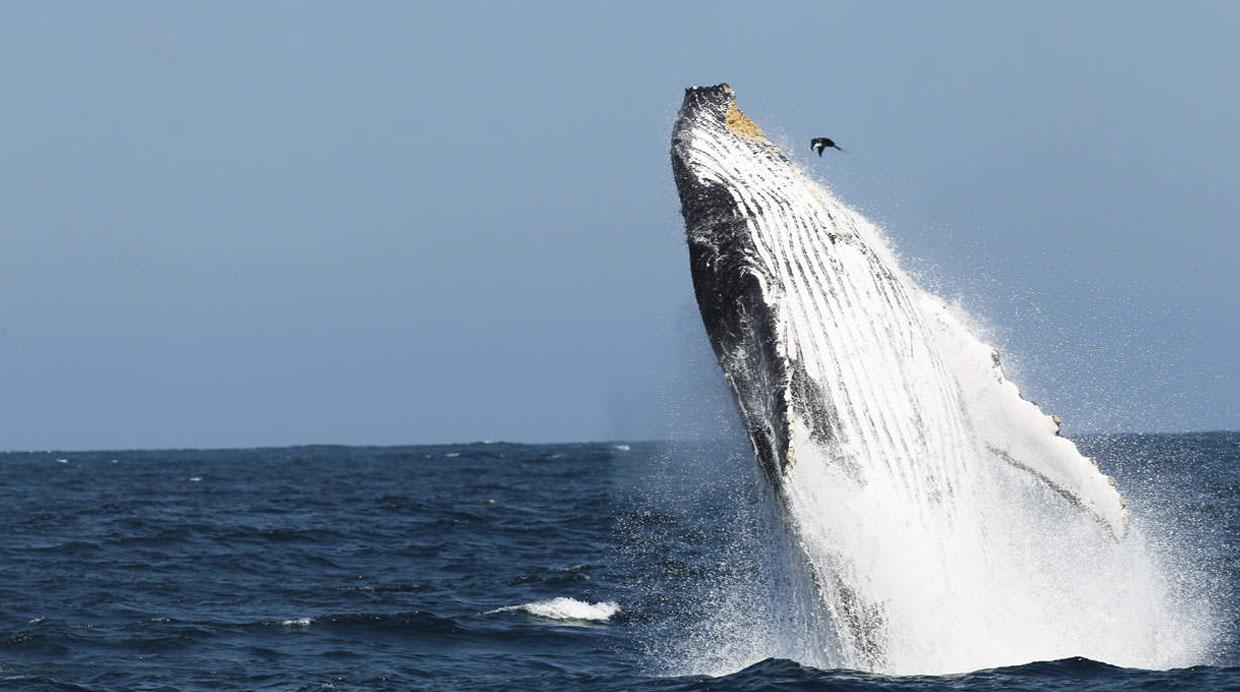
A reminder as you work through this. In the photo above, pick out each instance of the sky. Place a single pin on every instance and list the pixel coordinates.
(242, 224)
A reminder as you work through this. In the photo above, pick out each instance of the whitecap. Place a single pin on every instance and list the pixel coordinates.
(453, 455)
(62, 461)
(622, 448)
(297, 622)
(562, 608)
(195, 479)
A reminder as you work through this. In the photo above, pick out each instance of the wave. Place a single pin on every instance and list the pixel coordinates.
(1071, 673)
(562, 608)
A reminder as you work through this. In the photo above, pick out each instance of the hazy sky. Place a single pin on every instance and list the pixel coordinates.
(269, 223)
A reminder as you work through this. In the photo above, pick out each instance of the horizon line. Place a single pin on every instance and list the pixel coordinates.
(303, 445)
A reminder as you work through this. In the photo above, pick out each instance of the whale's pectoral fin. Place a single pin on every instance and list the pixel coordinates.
(1015, 430)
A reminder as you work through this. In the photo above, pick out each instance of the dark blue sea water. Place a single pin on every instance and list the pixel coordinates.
(406, 567)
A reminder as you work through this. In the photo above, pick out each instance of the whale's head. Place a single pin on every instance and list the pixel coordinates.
(727, 171)
(715, 148)
(711, 128)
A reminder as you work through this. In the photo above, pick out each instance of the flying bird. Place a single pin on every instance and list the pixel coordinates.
(820, 143)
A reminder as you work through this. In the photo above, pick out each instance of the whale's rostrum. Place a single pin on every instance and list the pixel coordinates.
(844, 371)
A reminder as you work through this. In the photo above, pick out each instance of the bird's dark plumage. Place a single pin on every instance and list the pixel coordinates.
(820, 143)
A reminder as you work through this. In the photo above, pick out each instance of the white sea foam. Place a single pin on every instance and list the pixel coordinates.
(562, 608)
(622, 448)
(297, 622)
(453, 455)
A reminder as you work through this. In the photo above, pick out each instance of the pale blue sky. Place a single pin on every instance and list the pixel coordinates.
(270, 223)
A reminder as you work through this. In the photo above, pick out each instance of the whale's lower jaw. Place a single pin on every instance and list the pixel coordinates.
(738, 321)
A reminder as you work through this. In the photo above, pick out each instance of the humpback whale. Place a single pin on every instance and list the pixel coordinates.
(846, 373)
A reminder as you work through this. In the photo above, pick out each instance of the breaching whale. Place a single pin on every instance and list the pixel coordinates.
(818, 333)
(844, 371)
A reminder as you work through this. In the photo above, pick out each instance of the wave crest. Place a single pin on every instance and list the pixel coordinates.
(562, 608)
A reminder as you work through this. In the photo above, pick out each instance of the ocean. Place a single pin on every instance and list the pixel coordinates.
(491, 566)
